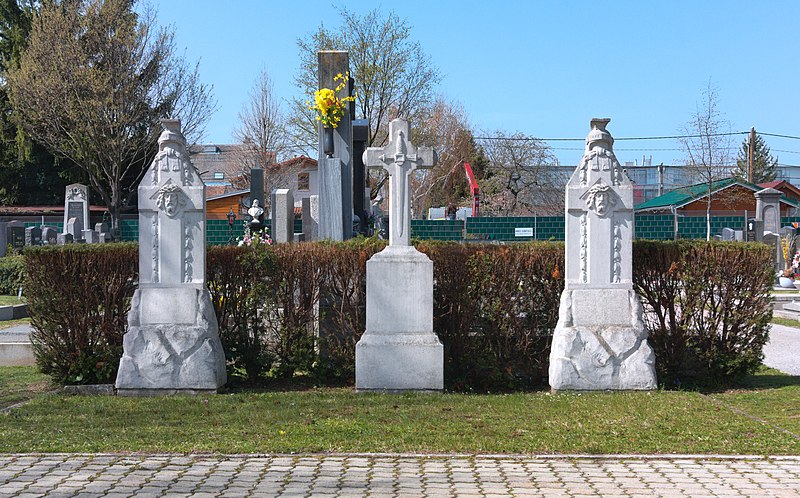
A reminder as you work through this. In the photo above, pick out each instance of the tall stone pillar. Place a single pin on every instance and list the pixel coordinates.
(768, 209)
(600, 341)
(335, 172)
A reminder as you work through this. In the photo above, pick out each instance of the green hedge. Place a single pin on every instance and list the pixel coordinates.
(12, 274)
(299, 309)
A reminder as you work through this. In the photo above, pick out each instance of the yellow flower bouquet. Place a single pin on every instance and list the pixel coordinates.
(330, 108)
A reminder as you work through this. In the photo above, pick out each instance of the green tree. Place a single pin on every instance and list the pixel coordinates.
(92, 85)
(29, 174)
(765, 166)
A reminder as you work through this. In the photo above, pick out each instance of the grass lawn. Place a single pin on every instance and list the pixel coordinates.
(788, 322)
(21, 383)
(339, 420)
(11, 323)
(6, 300)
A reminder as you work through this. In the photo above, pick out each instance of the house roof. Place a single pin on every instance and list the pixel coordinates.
(685, 195)
(782, 185)
(229, 194)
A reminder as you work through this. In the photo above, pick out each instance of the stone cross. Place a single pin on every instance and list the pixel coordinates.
(599, 217)
(171, 202)
(399, 158)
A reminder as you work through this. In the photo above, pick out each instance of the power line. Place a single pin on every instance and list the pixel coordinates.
(665, 137)
(777, 135)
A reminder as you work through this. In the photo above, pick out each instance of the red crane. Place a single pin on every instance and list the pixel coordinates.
(473, 189)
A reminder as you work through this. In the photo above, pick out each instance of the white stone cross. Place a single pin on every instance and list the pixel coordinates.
(399, 158)
(171, 216)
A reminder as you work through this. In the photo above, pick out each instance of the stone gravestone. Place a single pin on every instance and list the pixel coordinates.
(49, 236)
(172, 344)
(310, 215)
(282, 216)
(768, 209)
(600, 341)
(64, 238)
(33, 236)
(76, 207)
(336, 172)
(15, 234)
(728, 234)
(399, 350)
(103, 232)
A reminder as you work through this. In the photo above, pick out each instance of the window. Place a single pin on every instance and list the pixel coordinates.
(303, 181)
(218, 175)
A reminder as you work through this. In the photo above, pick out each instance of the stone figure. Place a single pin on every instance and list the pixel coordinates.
(255, 212)
(600, 341)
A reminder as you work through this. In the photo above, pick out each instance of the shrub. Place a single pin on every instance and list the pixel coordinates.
(12, 274)
(78, 298)
(707, 307)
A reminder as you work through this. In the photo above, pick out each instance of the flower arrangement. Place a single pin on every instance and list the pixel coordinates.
(330, 108)
(257, 237)
(787, 244)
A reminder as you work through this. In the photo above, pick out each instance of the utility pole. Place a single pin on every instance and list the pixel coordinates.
(661, 179)
(750, 155)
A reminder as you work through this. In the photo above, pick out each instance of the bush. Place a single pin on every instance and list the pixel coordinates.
(12, 274)
(707, 307)
(78, 299)
(495, 308)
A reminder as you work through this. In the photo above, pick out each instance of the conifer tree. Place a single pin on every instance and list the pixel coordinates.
(765, 166)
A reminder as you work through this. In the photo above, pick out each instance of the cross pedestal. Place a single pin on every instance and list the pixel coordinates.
(399, 350)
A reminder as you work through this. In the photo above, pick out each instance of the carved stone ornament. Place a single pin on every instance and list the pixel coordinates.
(600, 198)
(170, 199)
(76, 193)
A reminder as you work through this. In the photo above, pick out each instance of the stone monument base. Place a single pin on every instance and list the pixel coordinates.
(172, 344)
(600, 343)
(399, 350)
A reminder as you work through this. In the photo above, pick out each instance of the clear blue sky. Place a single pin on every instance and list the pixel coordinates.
(542, 68)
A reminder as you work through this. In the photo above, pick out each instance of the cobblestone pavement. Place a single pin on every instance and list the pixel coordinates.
(397, 475)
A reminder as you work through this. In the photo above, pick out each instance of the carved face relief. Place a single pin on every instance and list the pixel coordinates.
(170, 199)
(76, 193)
(600, 199)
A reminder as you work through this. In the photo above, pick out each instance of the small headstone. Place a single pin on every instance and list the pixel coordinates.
(728, 234)
(310, 214)
(72, 227)
(91, 237)
(282, 216)
(600, 341)
(399, 350)
(76, 206)
(15, 234)
(64, 238)
(33, 236)
(738, 235)
(172, 343)
(49, 236)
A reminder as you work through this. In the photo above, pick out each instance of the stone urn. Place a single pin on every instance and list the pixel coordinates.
(786, 282)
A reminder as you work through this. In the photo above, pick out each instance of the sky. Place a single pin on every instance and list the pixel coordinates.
(543, 68)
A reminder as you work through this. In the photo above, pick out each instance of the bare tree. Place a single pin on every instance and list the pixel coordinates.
(393, 75)
(707, 141)
(520, 179)
(444, 126)
(92, 85)
(262, 131)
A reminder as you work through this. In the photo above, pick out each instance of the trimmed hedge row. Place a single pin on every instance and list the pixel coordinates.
(300, 309)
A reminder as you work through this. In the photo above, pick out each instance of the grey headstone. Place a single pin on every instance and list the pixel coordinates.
(49, 236)
(172, 342)
(91, 237)
(64, 238)
(282, 216)
(33, 236)
(399, 350)
(72, 227)
(728, 234)
(768, 208)
(600, 340)
(310, 216)
(15, 234)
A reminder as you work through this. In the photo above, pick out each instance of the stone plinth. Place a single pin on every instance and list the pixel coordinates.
(399, 350)
(600, 341)
(282, 216)
(768, 209)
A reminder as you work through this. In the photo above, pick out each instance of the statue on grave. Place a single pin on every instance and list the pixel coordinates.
(600, 341)
(255, 213)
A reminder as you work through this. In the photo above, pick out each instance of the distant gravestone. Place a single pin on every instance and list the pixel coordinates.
(91, 237)
(49, 236)
(768, 202)
(33, 236)
(172, 343)
(76, 207)
(399, 350)
(282, 216)
(600, 341)
(64, 238)
(103, 232)
(310, 215)
(728, 234)
(15, 234)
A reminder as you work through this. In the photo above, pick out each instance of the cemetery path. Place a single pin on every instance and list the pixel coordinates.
(782, 351)
(398, 475)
